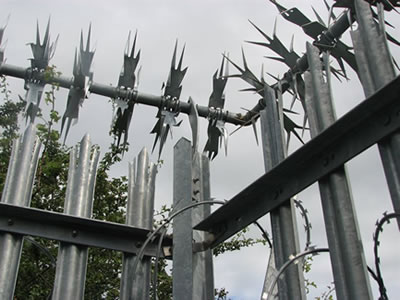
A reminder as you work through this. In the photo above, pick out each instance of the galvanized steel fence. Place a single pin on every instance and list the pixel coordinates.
(195, 229)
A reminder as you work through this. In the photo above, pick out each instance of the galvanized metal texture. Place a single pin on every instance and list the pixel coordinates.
(216, 130)
(194, 123)
(140, 210)
(344, 240)
(208, 255)
(375, 61)
(123, 109)
(42, 53)
(17, 191)
(333, 33)
(283, 221)
(318, 31)
(362, 127)
(182, 271)
(170, 106)
(79, 88)
(203, 286)
(258, 85)
(75, 230)
(70, 275)
(113, 92)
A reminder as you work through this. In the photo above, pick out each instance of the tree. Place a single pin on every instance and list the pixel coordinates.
(38, 259)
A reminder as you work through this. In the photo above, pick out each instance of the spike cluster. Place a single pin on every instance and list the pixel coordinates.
(387, 4)
(81, 83)
(127, 81)
(216, 125)
(42, 53)
(169, 109)
(258, 87)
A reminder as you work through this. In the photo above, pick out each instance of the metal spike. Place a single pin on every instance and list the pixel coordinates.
(37, 33)
(47, 34)
(81, 42)
(173, 62)
(291, 48)
(253, 123)
(181, 58)
(128, 43)
(134, 46)
(194, 123)
(88, 38)
(318, 16)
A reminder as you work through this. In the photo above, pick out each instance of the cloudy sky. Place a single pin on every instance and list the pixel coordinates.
(208, 29)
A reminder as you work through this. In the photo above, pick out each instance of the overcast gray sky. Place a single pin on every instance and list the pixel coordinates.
(208, 28)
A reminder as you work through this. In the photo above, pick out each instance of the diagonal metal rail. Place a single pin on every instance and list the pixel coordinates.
(365, 125)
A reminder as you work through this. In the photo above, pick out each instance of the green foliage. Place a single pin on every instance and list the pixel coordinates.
(9, 112)
(237, 242)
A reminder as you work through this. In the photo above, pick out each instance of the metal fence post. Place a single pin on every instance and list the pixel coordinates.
(140, 212)
(192, 272)
(17, 191)
(376, 70)
(182, 284)
(208, 255)
(70, 275)
(203, 279)
(283, 223)
(346, 250)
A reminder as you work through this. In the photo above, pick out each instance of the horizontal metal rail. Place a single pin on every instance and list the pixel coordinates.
(112, 92)
(365, 125)
(76, 230)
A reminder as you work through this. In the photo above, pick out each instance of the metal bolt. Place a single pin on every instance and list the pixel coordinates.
(10, 222)
(74, 233)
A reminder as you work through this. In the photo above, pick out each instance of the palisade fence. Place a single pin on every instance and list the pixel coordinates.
(195, 229)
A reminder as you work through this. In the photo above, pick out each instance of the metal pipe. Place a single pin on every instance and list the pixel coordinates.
(70, 275)
(283, 222)
(17, 191)
(112, 92)
(347, 254)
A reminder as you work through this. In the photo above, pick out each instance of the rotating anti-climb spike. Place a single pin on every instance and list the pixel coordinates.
(316, 30)
(216, 131)
(79, 90)
(170, 106)
(42, 53)
(123, 107)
